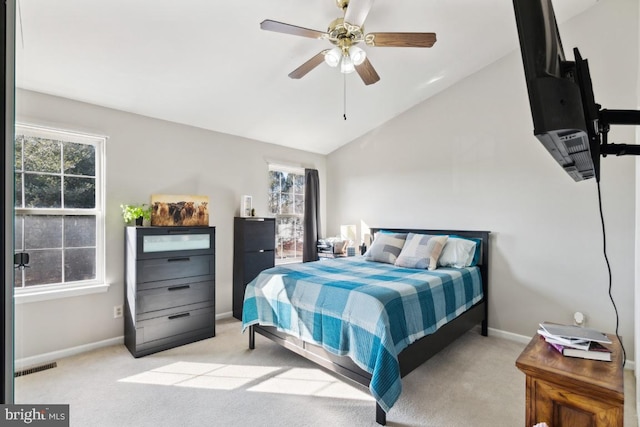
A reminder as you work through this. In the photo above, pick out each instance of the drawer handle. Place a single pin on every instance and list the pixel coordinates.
(178, 288)
(178, 316)
(256, 219)
(178, 259)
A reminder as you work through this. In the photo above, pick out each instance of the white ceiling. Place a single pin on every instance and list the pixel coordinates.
(208, 64)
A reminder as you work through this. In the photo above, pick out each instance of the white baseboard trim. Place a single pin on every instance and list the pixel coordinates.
(523, 339)
(40, 359)
(28, 362)
(224, 315)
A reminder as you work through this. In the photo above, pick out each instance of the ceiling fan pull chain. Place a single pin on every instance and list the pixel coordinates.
(345, 96)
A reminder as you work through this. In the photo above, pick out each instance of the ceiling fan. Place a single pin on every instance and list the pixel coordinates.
(345, 33)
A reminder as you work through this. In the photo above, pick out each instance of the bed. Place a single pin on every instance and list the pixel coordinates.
(376, 318)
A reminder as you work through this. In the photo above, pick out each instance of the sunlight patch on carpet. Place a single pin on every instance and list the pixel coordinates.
(296, 381)
(309, 382)
(202, 375)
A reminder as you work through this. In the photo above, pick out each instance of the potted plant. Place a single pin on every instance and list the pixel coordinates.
(136, 213)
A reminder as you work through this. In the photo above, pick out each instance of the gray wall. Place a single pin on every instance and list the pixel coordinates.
(466, 159)
(145, 156)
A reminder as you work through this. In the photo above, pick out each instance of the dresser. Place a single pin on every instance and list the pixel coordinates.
(254, 245)
(572, 392)
(169, 287)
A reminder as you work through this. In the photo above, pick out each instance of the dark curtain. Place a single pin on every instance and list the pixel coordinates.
(311, 215)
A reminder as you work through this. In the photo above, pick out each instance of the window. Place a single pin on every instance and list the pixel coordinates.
(59, 220)
(286, 203)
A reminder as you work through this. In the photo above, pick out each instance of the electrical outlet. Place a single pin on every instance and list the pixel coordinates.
(117, 311)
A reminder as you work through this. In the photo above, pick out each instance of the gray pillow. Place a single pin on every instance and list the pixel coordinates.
(386, 247)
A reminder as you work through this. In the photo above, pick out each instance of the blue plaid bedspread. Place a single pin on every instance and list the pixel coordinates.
(369, 311)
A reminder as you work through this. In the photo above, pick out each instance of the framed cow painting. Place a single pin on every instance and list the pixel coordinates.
(179, 210)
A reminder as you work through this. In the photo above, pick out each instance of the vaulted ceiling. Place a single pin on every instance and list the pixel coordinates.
(208, 64)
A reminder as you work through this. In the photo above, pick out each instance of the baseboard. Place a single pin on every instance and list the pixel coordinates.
(224, 315)
(523, 339)
(40, 359)
(28, 362)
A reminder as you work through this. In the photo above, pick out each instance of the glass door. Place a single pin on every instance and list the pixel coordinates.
(7, 10)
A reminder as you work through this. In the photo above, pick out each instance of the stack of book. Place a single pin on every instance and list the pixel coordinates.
(576, 341)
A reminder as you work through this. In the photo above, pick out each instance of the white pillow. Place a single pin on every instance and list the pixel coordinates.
(421, 251)
(457, 253)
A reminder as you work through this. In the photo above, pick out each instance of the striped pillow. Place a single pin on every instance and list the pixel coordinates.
(386, 247)
(421, 251)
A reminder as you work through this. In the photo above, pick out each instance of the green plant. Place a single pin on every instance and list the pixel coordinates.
(132, 212)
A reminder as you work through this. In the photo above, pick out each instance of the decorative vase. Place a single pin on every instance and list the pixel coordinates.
(139, 221)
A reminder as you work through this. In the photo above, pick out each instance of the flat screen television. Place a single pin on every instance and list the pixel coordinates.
(565, 115)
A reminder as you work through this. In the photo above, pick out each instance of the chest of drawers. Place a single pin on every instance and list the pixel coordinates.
(169, 286)
(254, 247)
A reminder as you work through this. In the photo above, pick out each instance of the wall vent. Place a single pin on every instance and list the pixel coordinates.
(35, 369)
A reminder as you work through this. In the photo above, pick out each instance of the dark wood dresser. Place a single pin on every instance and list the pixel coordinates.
(169, 287)
(565, 391)
(254, 250)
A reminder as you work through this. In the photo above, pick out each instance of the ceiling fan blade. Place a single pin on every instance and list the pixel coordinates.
(302, 70)
(367, 73)
(357, 11)
(401, 39)
(281, 27)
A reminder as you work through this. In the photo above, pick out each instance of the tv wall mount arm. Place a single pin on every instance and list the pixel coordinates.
(617, 117)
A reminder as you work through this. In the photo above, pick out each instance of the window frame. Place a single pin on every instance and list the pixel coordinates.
(42, 292)
(297, 171)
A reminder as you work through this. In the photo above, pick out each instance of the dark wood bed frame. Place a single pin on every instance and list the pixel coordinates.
(412, 356)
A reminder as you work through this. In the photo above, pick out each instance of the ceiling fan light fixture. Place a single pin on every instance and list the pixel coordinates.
(333, 57)
(357, 55)
(344, 33)
(346, 65)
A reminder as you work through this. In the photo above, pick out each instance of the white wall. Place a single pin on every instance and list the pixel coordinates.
(147, 156)
(467, 159)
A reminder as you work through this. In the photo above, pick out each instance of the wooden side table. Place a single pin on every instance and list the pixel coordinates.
(566, 391)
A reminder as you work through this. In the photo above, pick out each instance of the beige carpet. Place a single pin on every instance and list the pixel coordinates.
(220, 382)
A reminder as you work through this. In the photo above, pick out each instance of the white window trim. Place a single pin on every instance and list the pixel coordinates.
(72, 289)
(298, 170)
(51, 292)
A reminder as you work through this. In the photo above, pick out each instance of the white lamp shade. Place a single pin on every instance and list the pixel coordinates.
(333, 57)
(357, 55)
(346, 65)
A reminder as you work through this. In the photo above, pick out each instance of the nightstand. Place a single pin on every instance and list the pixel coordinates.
(567, 391)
